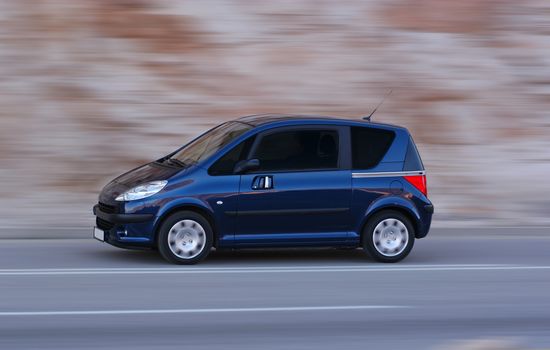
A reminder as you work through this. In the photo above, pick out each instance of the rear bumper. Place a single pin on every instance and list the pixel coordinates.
(425, 220)
(429, 208)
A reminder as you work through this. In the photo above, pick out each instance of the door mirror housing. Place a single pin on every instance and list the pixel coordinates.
(246, 165)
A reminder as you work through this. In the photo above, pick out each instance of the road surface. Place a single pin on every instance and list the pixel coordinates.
(83, 294)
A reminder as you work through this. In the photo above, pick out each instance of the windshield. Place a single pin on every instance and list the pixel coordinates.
(211, 142)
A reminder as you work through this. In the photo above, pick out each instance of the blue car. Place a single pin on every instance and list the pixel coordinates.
(274, 181)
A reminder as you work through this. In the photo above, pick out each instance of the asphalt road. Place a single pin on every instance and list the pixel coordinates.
(82, 294)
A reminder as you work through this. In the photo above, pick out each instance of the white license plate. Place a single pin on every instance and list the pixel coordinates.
(99, 234)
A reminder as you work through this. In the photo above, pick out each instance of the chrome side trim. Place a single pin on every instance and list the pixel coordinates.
(388, 174)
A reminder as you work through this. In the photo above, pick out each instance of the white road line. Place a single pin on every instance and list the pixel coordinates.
(235, 269)
(266, 267)
(198, 311)
(279, 269)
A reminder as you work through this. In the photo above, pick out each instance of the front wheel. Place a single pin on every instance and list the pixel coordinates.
(388, 236)
(185, 238)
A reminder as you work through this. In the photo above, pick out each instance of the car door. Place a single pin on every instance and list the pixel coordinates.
(301, 194)
(223, 190)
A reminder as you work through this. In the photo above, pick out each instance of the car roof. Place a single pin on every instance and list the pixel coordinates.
(257, 120)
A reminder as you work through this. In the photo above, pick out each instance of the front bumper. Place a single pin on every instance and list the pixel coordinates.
(125, 230)
(121, 218)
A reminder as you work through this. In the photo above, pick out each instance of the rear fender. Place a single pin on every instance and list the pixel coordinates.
(392, 202)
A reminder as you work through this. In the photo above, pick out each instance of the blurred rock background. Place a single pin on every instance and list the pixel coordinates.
(89, 89)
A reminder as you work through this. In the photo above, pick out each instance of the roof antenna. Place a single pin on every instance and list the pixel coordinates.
(367, 118)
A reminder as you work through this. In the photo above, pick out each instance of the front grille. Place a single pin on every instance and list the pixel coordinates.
(106, 208)
(103, 224)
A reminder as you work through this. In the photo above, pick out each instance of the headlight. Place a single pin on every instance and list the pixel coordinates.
(142, 191)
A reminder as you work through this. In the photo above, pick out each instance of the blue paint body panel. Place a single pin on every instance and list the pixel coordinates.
(304, 208)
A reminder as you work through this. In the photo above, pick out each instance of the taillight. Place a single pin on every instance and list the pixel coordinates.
(418, 181)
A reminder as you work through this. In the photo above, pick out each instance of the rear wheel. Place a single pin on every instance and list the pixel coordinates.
(185, 238)
(388, 236)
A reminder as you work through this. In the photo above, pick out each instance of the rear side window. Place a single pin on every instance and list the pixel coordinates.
(226, 164)
(298, 150)
(412, 158)
(369, 145)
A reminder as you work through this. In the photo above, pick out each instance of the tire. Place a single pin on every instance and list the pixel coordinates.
(388, 236)
(185, 238)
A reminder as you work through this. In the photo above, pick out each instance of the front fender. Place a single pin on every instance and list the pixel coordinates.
(176, 203)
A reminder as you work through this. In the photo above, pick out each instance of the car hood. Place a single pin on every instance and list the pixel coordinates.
(135, 177)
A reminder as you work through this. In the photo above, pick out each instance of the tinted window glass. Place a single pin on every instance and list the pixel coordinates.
(226, 164)
(369, 145)
(211, 142)
(298, 150)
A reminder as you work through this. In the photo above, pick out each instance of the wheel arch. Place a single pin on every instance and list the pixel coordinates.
(407, 209)
(201, 210)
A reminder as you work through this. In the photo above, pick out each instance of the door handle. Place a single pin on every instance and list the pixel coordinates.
(264, 182)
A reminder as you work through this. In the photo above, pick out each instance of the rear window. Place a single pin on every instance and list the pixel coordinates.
(369, 145)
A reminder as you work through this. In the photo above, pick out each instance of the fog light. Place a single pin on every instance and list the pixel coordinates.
(122, 233)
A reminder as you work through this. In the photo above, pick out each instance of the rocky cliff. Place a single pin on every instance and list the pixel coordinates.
(89, 89)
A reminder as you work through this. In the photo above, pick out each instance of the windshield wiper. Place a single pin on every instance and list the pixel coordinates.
(177, 162)
(172, 162)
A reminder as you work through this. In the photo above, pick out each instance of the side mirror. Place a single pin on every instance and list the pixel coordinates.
(246, 165)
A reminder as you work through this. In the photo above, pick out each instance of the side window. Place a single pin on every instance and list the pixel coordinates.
(369, 145)
(226, 164)
(298, 150)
